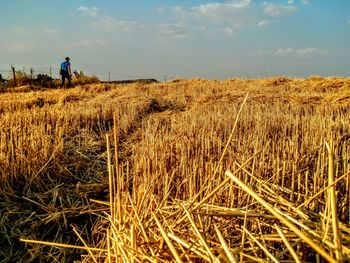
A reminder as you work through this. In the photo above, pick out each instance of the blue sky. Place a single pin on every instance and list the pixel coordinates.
(209, 39)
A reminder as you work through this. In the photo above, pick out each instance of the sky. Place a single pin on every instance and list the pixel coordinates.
(215, 39)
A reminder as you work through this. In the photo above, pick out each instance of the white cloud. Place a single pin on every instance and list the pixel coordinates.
(282, 51)
(228, 31)
(160, 10)
(219, 18)
(174, 30)
(104, 22)
(228, 17)
(213, 9)
(83, 8)
(179, 9)
(279, 10)
(108, 23)
(305, 2)
(301, 52)
(308, 50)
(216, 17)
(219, 12)
(264, 23)
(89, 11)
(49, 31)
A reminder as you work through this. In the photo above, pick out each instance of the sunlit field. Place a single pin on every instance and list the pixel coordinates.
(184, 171)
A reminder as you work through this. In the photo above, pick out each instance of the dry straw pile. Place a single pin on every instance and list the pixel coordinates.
(217, 171)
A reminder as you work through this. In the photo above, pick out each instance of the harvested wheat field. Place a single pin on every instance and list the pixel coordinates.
(184, 171)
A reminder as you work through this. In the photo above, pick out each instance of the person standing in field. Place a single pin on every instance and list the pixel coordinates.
(66, 72)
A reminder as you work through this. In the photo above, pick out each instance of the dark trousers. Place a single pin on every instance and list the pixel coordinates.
(65, 75)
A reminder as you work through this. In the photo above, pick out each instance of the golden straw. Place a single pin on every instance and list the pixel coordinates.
(285, 221)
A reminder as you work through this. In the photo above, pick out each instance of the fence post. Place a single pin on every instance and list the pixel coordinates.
(14, 75)
(31, 73)
(50, 72)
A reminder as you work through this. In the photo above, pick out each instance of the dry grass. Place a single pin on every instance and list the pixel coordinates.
(182, 171)
(33, 82)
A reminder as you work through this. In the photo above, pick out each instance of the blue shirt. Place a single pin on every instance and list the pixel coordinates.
(65, 66)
